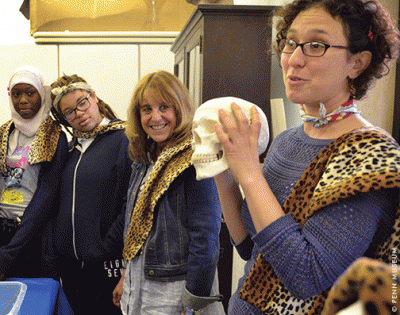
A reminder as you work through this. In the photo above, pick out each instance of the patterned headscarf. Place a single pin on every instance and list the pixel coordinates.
(59, 92)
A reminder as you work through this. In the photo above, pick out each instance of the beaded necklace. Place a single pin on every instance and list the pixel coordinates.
(342, 112)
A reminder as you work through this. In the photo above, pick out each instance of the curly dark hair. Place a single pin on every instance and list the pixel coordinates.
(64, 80)
(368, 27)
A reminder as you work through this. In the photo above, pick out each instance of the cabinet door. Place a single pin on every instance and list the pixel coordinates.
(195, 75)
(112, 71)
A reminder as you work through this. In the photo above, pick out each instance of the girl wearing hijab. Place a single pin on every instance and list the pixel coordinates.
(33, 150)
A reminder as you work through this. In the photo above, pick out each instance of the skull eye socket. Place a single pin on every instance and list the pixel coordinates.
(202, 128)
(208, 126)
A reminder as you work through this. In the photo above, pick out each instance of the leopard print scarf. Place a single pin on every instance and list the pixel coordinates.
(347, 166)
(116, 125)
(171, 162)
(370, 281)
(44, 144)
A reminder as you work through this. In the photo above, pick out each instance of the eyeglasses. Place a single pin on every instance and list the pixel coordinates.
(82, 106)
(311, 49)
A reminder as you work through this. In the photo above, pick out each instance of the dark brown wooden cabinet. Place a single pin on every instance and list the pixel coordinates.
(396, 111)
(223, 50)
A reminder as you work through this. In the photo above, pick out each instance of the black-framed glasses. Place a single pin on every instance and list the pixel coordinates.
(311, 49)
(82, 106)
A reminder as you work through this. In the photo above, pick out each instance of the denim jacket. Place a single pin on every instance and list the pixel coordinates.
(183, 243)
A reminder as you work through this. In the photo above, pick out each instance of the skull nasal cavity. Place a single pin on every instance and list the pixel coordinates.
(196, 138)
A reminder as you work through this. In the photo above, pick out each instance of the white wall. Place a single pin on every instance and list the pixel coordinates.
(16, 49)
(113, 70)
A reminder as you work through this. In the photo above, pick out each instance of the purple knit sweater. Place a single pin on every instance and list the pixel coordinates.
(308, 260)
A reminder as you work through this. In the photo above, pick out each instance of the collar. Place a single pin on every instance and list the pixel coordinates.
(342, 112)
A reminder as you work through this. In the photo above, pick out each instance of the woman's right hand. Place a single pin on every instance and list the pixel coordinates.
(239, 139)
(118, 291)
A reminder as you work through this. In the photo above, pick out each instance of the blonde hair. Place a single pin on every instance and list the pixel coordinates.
(167, 88)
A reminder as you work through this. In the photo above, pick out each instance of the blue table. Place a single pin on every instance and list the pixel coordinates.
(43, 297)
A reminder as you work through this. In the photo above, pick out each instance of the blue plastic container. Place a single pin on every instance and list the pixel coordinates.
(12, 294)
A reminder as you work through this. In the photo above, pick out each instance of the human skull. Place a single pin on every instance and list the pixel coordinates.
(208, 154)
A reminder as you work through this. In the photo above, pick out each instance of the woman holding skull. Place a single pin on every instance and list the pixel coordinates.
(208, 156)
(328, 191)
(172, 220)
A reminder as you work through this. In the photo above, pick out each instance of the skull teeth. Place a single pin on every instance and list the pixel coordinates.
(206, 158)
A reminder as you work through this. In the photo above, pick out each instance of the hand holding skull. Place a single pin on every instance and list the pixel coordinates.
(237, 143)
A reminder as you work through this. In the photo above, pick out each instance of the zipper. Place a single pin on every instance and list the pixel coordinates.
(73, 204)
